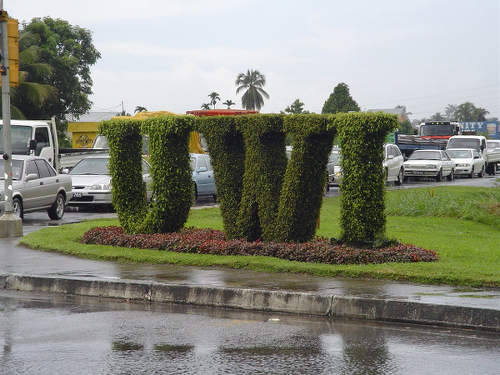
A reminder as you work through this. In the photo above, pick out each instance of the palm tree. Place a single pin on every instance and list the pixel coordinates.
(252, 82)
(214, 98)
(205, 106)
(32, 94)
(229, 103)
(139, 109)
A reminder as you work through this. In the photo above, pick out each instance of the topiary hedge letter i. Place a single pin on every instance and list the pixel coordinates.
(362, 136)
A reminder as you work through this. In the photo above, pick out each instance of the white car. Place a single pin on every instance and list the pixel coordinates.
(430, 163)
(467, 162)
(36, 187)
(92, 181)
(393, 164)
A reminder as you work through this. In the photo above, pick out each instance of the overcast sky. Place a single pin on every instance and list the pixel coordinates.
(170, 54)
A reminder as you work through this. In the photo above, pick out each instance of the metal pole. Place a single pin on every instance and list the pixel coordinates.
(10, 225)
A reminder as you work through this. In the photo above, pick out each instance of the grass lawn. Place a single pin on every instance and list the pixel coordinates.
(466, 236)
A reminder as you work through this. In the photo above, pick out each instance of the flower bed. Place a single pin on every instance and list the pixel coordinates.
(209, 241)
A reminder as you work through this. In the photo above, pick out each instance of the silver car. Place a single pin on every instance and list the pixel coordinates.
(92, 181)
(203, 176)
(37, 187)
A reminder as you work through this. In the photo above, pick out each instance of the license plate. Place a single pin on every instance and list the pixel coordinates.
(77, 195)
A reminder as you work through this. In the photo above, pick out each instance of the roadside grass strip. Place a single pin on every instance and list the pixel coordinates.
(468, 250)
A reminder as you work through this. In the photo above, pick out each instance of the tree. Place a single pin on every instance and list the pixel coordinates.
(468, 112)
(296, 107)
(205, 106)
(229, 103)
(449, 112)
(139, 109)
(340, 100)
(437, 117)
(214, 98)
(405, 127)
(252, 82)
(69, 52)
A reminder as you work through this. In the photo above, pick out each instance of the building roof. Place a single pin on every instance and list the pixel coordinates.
(93, 117)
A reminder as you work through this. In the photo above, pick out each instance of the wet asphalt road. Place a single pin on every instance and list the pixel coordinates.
(53, 334)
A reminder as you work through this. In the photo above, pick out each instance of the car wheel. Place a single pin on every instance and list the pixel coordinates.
(215, 198)
(451, 176)
(56, 212)
(439, 177)
(481, 173)
(401, 177)
(471, 174)
(18, 207)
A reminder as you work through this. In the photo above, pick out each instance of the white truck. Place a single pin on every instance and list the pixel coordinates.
(39, 138)
(478, 143)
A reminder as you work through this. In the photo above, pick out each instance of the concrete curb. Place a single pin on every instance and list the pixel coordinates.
(330, 306)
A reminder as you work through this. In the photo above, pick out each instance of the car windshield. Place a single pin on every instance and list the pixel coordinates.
(425, 155)
(91, 166)
(21, 136)
(334, 158)
(17, 169)
(100, 142)
(428, 130)
(460, 154)
(464, 143)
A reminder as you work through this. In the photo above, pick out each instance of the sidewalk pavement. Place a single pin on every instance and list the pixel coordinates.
(25, 269)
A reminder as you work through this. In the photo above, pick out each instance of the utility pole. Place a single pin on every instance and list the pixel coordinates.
(10, 224)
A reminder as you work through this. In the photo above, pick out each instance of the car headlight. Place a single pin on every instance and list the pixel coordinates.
(100, 187)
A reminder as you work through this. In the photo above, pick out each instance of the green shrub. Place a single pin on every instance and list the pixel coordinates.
(265, 163)
(362, 137)
(171, 173)
(128, 193)
(227, 154)
(305, 177)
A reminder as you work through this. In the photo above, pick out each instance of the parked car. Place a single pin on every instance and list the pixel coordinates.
(203, 176)
(37, 187)
(430, 163)
(333, 166)
(467, 162)
(393, 164)
(92, 181)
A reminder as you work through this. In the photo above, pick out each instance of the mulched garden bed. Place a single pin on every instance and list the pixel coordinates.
(209, 241)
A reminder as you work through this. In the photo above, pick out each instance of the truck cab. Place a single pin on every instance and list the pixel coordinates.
(438, 129)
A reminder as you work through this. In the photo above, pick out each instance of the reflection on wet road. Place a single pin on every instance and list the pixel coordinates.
(48, 334)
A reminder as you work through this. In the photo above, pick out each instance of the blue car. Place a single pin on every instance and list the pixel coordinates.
(203, 176)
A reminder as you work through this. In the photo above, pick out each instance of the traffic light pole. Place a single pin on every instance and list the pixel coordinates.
(10, 224)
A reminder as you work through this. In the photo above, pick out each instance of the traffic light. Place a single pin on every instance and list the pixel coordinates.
(13, 47)
(13, 37)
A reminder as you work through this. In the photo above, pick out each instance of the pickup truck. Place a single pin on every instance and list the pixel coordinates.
(39, 138)
(478, 143)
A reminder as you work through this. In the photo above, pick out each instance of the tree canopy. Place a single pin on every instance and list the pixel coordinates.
(340, 100)
(214, 98)
(296, 107)
(55, 60)
(252, 82)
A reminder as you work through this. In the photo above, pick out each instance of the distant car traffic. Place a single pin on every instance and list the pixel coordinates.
(430, 163)
(467, 162)
(333, 166)
(92, 181)
(393, 164)
(203, 176)
(37, 187)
